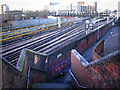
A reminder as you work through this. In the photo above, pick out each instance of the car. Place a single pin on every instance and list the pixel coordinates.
(31, 18)
(37, 18)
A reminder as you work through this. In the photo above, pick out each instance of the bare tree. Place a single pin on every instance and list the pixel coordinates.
(35, 14)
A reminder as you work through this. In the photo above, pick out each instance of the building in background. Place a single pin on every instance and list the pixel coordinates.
(118, 9)
(14, 15)
(3, 16)
(78, 9)
(87, 10)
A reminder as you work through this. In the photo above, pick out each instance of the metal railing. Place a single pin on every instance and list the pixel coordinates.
(28, 77)
(76, 80)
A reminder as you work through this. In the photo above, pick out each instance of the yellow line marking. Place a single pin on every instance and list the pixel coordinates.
(14, 33)
(25, 34)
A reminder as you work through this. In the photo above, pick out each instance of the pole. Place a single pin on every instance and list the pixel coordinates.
(98, 27)
(28, 77)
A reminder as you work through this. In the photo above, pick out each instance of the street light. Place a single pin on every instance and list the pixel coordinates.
(98, 23)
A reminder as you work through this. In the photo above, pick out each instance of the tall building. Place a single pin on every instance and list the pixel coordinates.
(71, 7)
(95, 6)
(79, 9)
(87, 10)
(118, 9)
(90, 8)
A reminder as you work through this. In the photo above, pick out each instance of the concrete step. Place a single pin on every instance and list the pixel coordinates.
(54, 86)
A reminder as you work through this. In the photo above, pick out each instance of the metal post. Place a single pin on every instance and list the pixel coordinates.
(59, 22)
(87, 26)
(98, 23)
(107, 20)
(98, 28)
(1, 24)
(28, 77)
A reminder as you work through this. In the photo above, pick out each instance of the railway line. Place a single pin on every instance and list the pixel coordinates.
(40, 38)
(28, 36)
(13, 53)
(46, 42)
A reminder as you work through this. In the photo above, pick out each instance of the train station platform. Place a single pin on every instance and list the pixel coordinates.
(110, 44)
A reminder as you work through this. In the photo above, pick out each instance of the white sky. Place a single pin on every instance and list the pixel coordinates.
(39, 4)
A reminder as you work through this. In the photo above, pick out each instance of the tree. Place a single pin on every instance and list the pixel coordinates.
(35, 14)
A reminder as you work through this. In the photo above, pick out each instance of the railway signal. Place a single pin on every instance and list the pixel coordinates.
(88, 26)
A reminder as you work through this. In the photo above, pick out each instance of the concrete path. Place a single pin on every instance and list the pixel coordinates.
(110, 43)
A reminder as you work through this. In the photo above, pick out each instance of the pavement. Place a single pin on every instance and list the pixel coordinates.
(110, 43)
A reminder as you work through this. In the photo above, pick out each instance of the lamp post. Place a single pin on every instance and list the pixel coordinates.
(98, 23)
(98, 27)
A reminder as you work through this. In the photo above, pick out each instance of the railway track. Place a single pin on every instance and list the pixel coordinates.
(29, 36)
(38, 39)
(13, 53)
(45, 43)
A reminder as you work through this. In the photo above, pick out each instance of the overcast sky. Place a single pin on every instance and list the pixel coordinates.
(39, 4)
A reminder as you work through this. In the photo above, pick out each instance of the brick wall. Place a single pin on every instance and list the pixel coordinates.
(11, 76)
(97, 50)
(41, 62)
(102, 73)
(86, 41)
(58, 61)
(17, 77)
(77, 68)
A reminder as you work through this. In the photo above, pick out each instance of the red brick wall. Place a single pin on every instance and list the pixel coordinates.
(57, 64)
(11, 77)
(79, 71)
(103, 73)
(88, 40)
(82, 45)
(97, 50)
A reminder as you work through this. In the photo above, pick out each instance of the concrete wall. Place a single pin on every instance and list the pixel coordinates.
(102, 73)
(97, 50)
